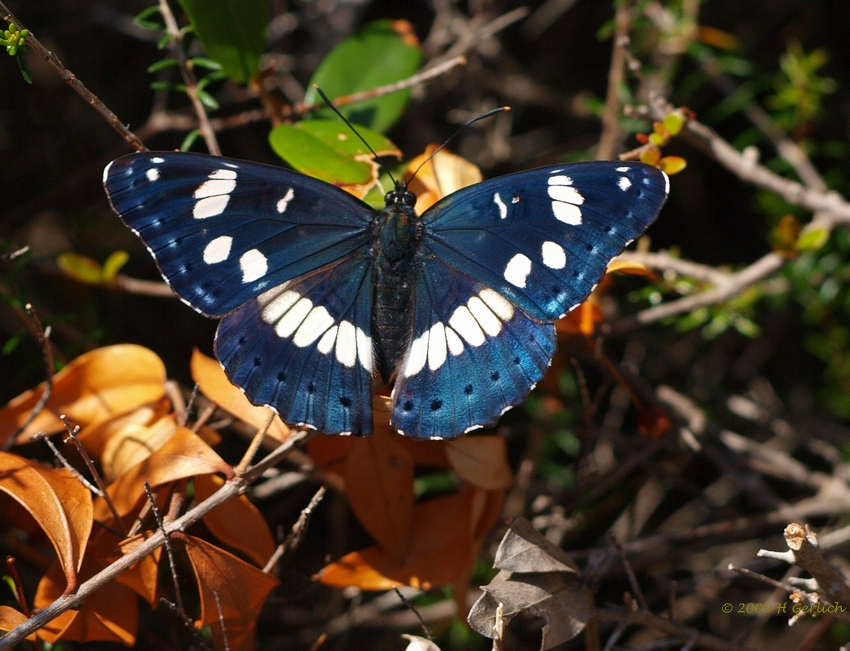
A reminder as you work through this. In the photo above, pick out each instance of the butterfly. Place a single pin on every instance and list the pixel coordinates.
(321, 297)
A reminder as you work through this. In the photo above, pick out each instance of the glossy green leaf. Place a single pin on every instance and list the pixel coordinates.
(113, 264)
(327, 150)
(812, 240)
(233, 32)
(382, 52)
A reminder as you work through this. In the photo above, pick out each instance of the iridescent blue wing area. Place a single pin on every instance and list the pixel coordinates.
(474, 354)
(304, 348)
(544, 238)
(223, 231)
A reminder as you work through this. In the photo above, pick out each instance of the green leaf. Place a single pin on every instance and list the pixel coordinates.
(161, 65)
(113, 264)
(382, 52)
(24, 68)
(233, 32)
(812, 240)
(206, 99)
(326, 149)
(189, 140)
(143, 19)
(80, 268)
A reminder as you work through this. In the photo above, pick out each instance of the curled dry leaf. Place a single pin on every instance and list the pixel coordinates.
(214, 385)
(536, 576)
(236, 522)
(133, 443)
(92, 387)
(241, 590)
(184, 455)
(60, 504)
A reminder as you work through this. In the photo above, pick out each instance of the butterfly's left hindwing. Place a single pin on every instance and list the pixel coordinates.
(544, 238)
(304, 348)
(222, 231)
(473, 355)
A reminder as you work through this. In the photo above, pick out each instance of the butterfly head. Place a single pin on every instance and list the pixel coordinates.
(400, 196)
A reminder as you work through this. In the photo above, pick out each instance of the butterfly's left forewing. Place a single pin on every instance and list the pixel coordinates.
(544, 238)
(223, 231)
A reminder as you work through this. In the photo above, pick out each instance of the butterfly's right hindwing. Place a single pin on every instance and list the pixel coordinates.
(224, 231)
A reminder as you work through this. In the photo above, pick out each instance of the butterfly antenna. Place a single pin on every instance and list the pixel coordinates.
(452, 137)
(356, 133)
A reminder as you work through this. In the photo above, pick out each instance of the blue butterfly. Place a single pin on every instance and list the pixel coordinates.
(321, 296)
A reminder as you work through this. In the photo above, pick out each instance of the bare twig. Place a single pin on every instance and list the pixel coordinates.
(43, 336)
(178, 600)
(298, 530)
(189, 78)
(233, 487)
(71, 79)
(428, 632)
(255, 444)
(611, 132)
(66, 464)
(627, 566)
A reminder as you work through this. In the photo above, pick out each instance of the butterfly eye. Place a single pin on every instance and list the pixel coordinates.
(409, 199)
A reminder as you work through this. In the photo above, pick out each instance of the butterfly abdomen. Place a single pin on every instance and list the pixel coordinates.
(394, 245)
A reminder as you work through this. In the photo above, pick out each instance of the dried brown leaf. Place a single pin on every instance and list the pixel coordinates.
(236, 522)
(481, 460)
(61, 506)
(241, 590)
(92, 387)
(214, 385)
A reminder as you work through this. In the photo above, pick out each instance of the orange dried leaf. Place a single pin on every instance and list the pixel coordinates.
(60, 504)
(582, 320)
(629, 267)
(95, 436)
(11, 618)
(241, 590)
(445, 173)
(142, 577)
(441, 550)
(214, 384)
(184, 455)
(379, 476)
(91, 388)
(237, 522)
(481, 460)
(133, 443)
(110, 614)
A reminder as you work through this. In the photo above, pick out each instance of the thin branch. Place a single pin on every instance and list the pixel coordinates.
(66, 464)
(189, 78)
(71, 79)
(236, 486)
(663, 261)
(178, 600)
(611, 132)
(72, 436)
(43, 336)
(477, 33)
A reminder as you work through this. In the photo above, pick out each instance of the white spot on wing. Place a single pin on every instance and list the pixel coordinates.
(157, 160)
(624, 183)
(466, 326)
(567, 212)
(152, 174)
(503, 209)
(455, 343)
(554, 255)
(326, 343)
(275, 306)
(560, 180)
(437, 347)
(294, 317)
(498, 303)
(565, 193)
(313, 326)
(623, 169)
(364, 350)
(283, 203)
(417, 355)
(346, 344)
(254, 265)
(488, 321)
(218, 250)
(210, 206)
(217, 184)
(516, 271)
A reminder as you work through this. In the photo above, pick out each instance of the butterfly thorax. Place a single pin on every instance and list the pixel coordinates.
(395, 240)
